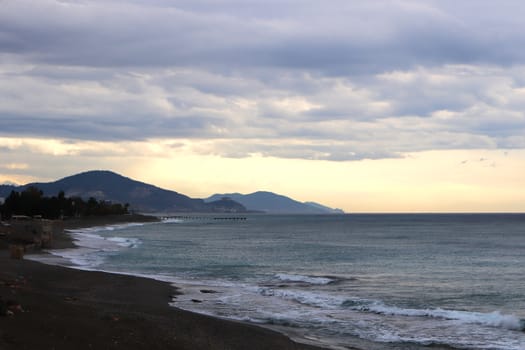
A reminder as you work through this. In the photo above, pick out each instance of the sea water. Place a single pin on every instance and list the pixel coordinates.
(382, 281)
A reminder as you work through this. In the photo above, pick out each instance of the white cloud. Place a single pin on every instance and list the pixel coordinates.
(346, 80)
(386, 115)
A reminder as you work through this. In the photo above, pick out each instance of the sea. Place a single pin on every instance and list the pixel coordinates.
(374, 281)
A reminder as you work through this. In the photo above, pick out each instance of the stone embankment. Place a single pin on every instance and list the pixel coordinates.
(23, 233)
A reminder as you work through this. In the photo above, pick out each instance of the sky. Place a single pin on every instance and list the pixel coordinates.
(368, 106)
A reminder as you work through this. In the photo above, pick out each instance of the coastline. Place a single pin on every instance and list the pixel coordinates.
(91, 221)
(64, 240)
(54, 307)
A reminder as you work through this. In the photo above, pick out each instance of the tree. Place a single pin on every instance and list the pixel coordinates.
(32, 202)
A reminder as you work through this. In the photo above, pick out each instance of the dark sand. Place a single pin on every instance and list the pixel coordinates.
(52, 307)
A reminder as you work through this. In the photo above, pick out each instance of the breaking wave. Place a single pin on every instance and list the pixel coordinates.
(92, 248)
(491, 319)
(335, 302)
(305, 279)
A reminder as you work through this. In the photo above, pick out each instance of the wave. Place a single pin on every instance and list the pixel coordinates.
(332, 316)
(103, 228)
(92, 248)
(89, 237)
(491, 319)
(334, 302)
(172, 221)
(98, 242)
(125, 242)
(317, 300)
(304, 279)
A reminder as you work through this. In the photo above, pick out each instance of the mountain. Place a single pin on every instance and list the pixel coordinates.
(227, 205)
(275, 203)
(107, 185)
(325, 208)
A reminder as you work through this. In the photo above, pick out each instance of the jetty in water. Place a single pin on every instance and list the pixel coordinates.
(203, 218)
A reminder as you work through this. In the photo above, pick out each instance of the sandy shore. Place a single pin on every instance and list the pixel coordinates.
(52, 307)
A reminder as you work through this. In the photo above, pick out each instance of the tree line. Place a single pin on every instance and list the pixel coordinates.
(32, 202)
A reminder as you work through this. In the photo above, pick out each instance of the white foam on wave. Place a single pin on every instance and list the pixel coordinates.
(125, 242)
(491, 319)
(172, 221)
(332, 316)
(304, 279)
(103, 228)
(105, 244)
(92, 247)
(313, 299)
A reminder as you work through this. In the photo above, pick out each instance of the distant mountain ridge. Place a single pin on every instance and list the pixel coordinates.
(143, 197)
(107, 185)
(270, 202)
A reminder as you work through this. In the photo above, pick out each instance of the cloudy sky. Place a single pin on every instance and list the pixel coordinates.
(369, 106)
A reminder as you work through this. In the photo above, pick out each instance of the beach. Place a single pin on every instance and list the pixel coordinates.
(53, 307)
(374, 282)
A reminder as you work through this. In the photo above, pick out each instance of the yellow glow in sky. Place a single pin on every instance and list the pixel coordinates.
(433, 181)
(437, 181)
